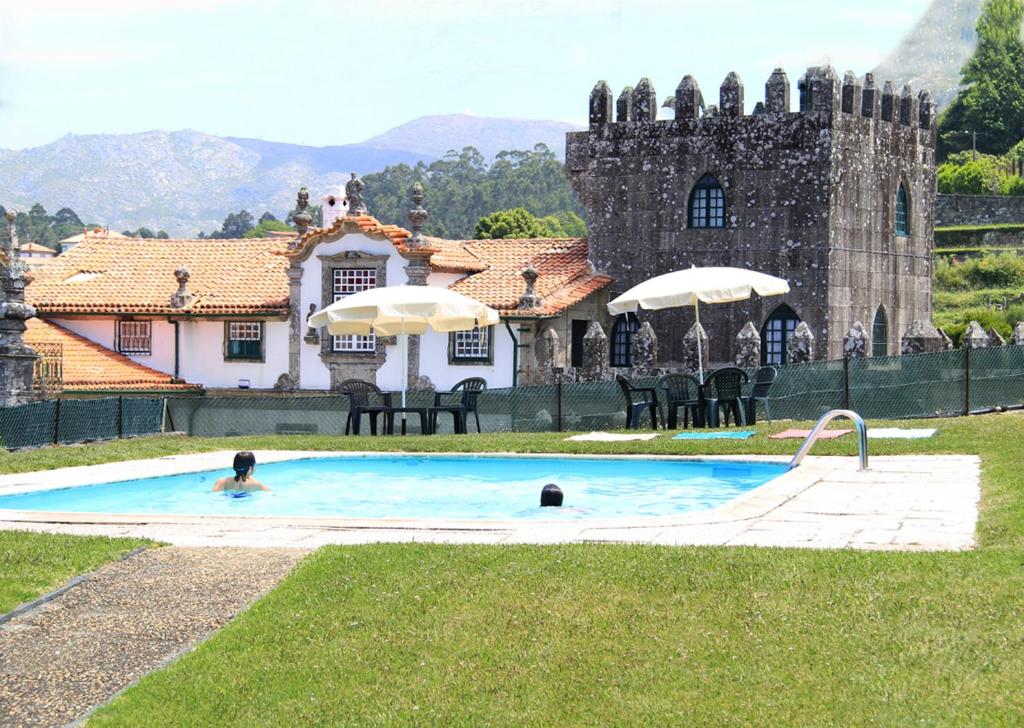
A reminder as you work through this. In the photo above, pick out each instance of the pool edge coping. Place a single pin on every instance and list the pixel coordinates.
(753, 504)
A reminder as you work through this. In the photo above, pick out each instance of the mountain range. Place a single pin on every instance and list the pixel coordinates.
(933, 52)
(187, 181)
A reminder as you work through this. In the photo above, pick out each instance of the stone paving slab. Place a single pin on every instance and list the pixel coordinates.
(63, 658)
(908, 502)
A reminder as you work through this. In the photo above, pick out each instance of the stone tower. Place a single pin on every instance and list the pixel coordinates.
(836, 197)
(17, 361)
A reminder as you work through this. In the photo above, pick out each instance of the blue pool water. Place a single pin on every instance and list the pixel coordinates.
(427, 487)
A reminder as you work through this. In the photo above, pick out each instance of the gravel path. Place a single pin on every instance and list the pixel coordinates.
(127, 619)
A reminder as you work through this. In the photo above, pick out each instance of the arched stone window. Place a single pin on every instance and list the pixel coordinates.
(622, 338)
(707, 204)
(902, 212)
(880, 334)
(775, 333)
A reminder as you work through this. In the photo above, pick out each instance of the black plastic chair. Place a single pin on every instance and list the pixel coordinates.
(680, 390)
(764, 377)
(638, 399)
(365, 398)
(468, 390)
(724, 393)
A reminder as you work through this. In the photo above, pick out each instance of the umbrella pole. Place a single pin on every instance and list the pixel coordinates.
(700, 349)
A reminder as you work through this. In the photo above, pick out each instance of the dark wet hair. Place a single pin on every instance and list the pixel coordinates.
(243, 461)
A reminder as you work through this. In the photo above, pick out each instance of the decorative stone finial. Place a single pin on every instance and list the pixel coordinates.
(855, 343)
(748, 346)
(691, 363)
(302, 218)
(354, 192)
(995, 338)
(17, 360)
(181, 297)
(1018, 334)
(643, 349)
(974, 337)
(601, 103)
(624, 105)
(595, 353)
(776, 93)
(417, 216)
(530, 299)
(730, 96)
(922, 338)
(800, 346)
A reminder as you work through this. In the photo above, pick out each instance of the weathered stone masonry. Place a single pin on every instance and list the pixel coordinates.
(809, 196)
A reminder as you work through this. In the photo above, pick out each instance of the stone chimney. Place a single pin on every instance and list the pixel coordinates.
(333, 205)
(181, 298)
(530, 299)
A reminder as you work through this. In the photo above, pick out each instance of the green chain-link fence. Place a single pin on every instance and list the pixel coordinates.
(898, 387)
(64, 421)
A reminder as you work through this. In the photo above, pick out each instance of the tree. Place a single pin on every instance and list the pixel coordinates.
(67, 216)
(461, 188)
(991, 103)
(266, 227)
(515, 223)
(267, 217)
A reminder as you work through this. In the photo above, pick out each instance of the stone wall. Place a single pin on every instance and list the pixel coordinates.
(952, 210)
(802, 196)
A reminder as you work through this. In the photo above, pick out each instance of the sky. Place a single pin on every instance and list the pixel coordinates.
(326, 72)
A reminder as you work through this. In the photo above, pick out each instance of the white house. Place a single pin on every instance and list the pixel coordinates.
(225, 314)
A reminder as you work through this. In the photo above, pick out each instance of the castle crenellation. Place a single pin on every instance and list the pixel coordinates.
(809, 195)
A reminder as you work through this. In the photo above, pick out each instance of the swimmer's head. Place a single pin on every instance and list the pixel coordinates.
(243, 465)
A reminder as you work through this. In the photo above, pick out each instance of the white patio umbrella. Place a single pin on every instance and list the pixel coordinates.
(403, 310)
(694, 286)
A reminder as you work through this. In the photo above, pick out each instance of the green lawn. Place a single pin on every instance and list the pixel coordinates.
(597, 634)
(32, 564)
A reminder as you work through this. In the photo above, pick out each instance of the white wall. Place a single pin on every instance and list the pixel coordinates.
(313, 374)
(100, 329)
(202, 355)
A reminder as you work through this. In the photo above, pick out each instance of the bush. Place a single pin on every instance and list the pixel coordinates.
(1002, 270)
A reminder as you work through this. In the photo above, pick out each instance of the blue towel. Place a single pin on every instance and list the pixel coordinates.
(734, 435)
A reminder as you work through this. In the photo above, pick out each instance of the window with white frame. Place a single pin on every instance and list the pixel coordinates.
(472, 345)
(244, 340)
(135, 337)
(347, 281)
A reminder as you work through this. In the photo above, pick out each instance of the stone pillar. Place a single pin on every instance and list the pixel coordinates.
(974, 337)
(922, 338)
(1018, 334)
(595, 353)
(643, 349)
(730, 96)
(295, 323)
(855, 343)
(995, 338)
(17, 360)
(776, 93)
(800, 346)
(624, 105)
(645, 102)
(748, 347)
(601, 104)
(418, 252)
(690, 360)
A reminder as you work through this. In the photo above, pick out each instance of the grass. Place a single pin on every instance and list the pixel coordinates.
(32, 564)
(606, 634)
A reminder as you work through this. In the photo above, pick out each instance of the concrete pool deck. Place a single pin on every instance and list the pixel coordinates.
(923, 503)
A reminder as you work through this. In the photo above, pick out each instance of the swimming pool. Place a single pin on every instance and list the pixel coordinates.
(449, 487)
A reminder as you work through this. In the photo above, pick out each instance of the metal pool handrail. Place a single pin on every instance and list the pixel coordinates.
(862, 436)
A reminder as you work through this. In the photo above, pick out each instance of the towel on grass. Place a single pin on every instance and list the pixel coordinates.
(735, 435)
(801, 434)
(899, 433)
(610, 437)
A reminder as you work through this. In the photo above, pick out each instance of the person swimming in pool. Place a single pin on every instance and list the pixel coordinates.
(242, 481)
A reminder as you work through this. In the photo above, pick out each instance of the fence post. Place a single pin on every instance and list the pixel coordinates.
(56, 422)
(558, 399)
(846, 382)
(120, 418)
(967, 379)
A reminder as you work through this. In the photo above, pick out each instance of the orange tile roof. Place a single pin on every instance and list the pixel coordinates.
(87, 366)
(366, 224)
(37, 248)
(134, 275)
(453, 257)
(565, 276)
